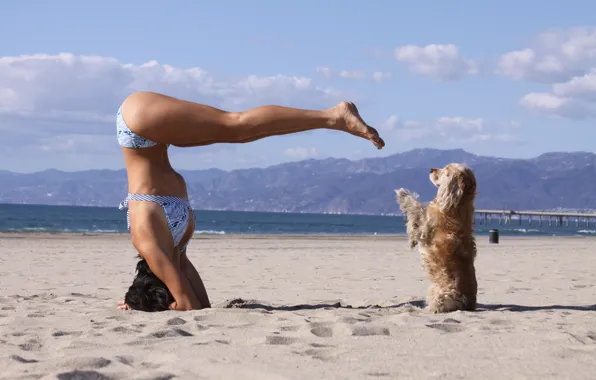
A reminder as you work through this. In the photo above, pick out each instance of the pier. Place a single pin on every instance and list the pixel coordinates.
(558, 219)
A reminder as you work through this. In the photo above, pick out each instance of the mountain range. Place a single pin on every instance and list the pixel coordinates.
(550, 181)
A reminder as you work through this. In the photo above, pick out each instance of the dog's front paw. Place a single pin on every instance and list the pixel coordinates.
(401, 192)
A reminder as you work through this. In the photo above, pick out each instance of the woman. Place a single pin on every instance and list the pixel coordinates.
(160, 218)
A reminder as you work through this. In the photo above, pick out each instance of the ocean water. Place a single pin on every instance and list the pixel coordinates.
(72, 219)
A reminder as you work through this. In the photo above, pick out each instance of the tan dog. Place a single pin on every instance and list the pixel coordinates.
(444, 233)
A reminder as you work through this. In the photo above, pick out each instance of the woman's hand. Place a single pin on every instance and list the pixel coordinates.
(173, 306)
(122, 305)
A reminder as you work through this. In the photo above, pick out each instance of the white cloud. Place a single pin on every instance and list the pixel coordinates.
(452, 129)
(574, 99)
(543, 103)
(442, 62)
(379, 76)
(565, 59)
(390, 124)
(555, 56)
(326, 71)
(447, 124)
(352, 74)
(583, 87)
(58, 102)
(301, 153)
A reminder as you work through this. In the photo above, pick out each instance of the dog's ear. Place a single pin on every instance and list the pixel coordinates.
(450, 193)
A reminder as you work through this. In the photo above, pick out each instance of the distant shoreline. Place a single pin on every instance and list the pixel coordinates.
(218, 210)
(393, 215)
(396, 237)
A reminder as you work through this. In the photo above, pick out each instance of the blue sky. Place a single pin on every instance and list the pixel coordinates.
(503, 78)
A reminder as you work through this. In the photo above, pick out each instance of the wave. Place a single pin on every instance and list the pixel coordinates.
(516, 231)
(210, 232)
(62, 230)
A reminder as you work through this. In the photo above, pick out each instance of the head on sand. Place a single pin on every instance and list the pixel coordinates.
(147, 292)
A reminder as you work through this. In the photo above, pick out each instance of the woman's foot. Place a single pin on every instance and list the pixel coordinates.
(351, 122)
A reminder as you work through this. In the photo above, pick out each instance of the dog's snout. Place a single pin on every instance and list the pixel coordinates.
(432, 170)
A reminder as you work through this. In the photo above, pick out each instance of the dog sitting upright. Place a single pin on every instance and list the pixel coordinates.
(443, 232)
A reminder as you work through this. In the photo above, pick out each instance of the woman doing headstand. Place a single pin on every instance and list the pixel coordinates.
(160, 218)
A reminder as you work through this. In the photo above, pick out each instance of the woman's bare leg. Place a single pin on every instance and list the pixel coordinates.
(168, 120)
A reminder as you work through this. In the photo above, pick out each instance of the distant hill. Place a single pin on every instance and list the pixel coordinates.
(549, 181)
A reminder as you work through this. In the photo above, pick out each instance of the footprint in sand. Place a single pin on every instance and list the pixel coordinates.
(241, 326)
(176, 321)
(123, 330)
(42, 296)
(280, 340)
(126, 360)
(499, 322)
(87, 375)
(21, 359)
(367, 330)
(118, 318)
(321, 345)
(353, 320)
(204, 317)
(66, 333)
(31, 345)
(80, 363)
(289, 328)
(148, 365)
(323, 355)
(162, 376)
(321, 330)
(172, 333)
(446, 327)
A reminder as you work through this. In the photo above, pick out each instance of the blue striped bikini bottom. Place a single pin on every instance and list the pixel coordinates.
(177, 211)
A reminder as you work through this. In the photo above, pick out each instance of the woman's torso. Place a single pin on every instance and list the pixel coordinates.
(150, 173)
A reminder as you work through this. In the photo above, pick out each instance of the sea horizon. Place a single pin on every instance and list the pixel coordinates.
(27, 218)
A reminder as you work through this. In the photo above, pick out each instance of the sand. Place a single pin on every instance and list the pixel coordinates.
(313, 308)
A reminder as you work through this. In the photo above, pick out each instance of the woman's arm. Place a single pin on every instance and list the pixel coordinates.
(170, 274)
(152, 239)
(195, 280)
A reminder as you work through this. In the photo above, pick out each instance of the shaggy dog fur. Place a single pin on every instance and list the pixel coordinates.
(147, 292)
(443, 232)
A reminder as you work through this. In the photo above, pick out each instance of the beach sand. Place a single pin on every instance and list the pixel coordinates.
(314, 308)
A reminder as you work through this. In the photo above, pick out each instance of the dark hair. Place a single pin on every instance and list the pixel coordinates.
(147, 292)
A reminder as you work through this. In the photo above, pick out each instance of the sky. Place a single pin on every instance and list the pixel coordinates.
(499, 78)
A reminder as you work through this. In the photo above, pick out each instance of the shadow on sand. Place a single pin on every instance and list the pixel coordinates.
(253, 304)
(416, 304)
(521, 308)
